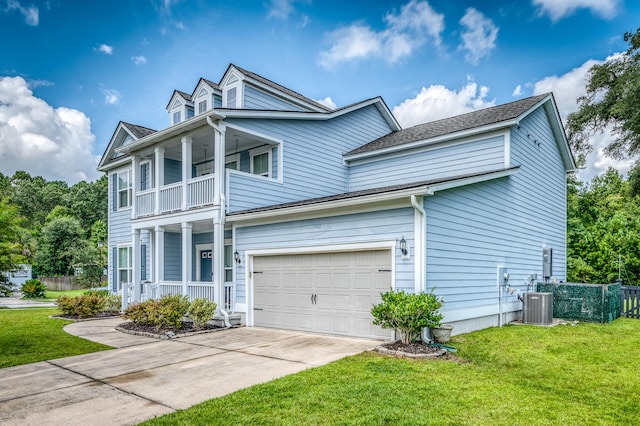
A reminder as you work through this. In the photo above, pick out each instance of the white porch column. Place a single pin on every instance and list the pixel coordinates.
(218, 259)
(186, 170)
(158, 175)
(135, 264)
(187, 258)
(135, 184)
(219, 166)
(158, 273)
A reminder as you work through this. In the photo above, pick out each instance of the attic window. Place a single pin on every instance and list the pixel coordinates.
(202, 106)
(176, 117)
(231, 98)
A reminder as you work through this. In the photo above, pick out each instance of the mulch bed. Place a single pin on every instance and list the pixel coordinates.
(416, 350)
(187, 329)
(100, 315)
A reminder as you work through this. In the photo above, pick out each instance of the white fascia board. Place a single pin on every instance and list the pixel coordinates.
(334, 208)
(174, 218)
(432, 141)
(472, 180)
(115, 164)
(199, 120)
(324, 248)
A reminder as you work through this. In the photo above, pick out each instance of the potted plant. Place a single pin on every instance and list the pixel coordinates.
(442, 333)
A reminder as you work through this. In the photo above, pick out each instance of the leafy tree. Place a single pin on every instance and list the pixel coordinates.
(12, 249)
(57, 239)
(89, 260)
(612, 99)
(88, 201)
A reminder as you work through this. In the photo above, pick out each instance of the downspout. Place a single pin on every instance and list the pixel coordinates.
(419, 258)
(219, 219)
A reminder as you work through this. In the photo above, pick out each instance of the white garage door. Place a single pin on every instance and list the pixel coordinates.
(328, 293)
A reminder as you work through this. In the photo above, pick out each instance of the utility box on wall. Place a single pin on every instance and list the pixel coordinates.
(584, 302)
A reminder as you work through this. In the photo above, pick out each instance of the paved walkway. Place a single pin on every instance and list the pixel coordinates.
(146, 377)
(15, 301)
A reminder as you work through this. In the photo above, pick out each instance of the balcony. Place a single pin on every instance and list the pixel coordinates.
(199, 193)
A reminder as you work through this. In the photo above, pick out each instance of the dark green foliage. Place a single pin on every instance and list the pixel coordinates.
(166, 312)
(33, 289)
(201, 311)
(6, 288)
(13, 249)
(603, 230)
(612, 99)
(407, 313)
(56, 243)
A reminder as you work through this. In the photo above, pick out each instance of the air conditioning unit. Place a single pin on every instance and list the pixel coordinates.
(538, 308)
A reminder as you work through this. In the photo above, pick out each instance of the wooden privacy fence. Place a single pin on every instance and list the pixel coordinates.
(630, 301)
(59, 283)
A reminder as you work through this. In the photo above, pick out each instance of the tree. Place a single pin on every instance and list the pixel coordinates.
(612, 99)
(12, 234)
(55, 249)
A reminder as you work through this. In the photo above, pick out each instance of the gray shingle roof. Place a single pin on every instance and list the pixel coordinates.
(449, 125)
(373, 191)
(138, 131)
(282, 88)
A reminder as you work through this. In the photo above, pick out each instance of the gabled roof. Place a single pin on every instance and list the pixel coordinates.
(432, 129)
(278, 87)
(119, 136)
(183, 95)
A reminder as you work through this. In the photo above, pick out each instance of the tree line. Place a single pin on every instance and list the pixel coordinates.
(53, 226)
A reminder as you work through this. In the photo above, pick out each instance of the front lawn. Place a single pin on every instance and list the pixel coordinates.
(52, 295)
(515, 375)
(29, 335)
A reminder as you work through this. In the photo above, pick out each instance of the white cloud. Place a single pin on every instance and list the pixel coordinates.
(31, 14)
(55, 143)
(283, 9)
(328, 102)
(104, 48)
(517, 91)
(180, 25)
(436, 102)
(479, 35)
(111, 96)
(39, 83)
(558, 9)
(415, 24)
(567, 88)
(139, 60)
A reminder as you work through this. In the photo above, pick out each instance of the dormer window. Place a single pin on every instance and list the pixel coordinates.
(202, 106)
(231, 97)
(189, 113)
(176, 117)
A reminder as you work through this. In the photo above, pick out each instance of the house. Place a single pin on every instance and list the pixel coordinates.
(298, 216)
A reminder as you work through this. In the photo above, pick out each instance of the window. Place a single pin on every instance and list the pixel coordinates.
(202, 106)
(125, 263)
(261, 163)
(176, 117)
(232, 162)
(189, 113)
(124, 189)
(145, 176)
(231, 97)
(228, 261)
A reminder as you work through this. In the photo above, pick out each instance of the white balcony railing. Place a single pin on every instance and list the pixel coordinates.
(171, 197)
(146, 202)
(201, 191)
(197, 290)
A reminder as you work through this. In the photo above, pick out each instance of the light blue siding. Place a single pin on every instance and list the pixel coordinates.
(257, 99)
(505, 222)
(172, 256)
(364, 227)
(312, 157)
(471, 157)
(172, 171)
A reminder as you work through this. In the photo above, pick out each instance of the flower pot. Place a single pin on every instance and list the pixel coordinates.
(442, 334)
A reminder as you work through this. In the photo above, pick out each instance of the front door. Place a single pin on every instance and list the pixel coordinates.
(206, 266)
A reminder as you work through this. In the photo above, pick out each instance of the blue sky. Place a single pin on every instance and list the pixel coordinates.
(70, 70)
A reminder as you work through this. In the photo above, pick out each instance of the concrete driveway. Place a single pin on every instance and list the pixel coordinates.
(146, 377)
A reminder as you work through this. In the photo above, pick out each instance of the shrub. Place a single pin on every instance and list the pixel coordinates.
(89, 304)
(166, 312)
(113, 303)
(33, 289)
(201, 310)
(6, 288)
(407, 313)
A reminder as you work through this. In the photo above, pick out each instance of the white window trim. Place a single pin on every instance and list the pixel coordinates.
(206, 102)
(259, 151)
(150, 182)
(228, 242)
(117, 260)
(129, 190)
(173, 116)
(239, 94)
(230, 159)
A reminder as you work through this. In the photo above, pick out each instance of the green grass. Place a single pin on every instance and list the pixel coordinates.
(52, 295)
(515, 375)
(29, 335)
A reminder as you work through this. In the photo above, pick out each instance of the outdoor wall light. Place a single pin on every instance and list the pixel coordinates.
(403, 248)
(236, 257)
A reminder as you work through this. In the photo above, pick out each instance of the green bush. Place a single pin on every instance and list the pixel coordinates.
(407, 313)
(166, 312)
(33, 289)
(89, 304)
(6, 288)
(201, 310)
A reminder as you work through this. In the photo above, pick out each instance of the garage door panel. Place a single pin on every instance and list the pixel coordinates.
(345, 285)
